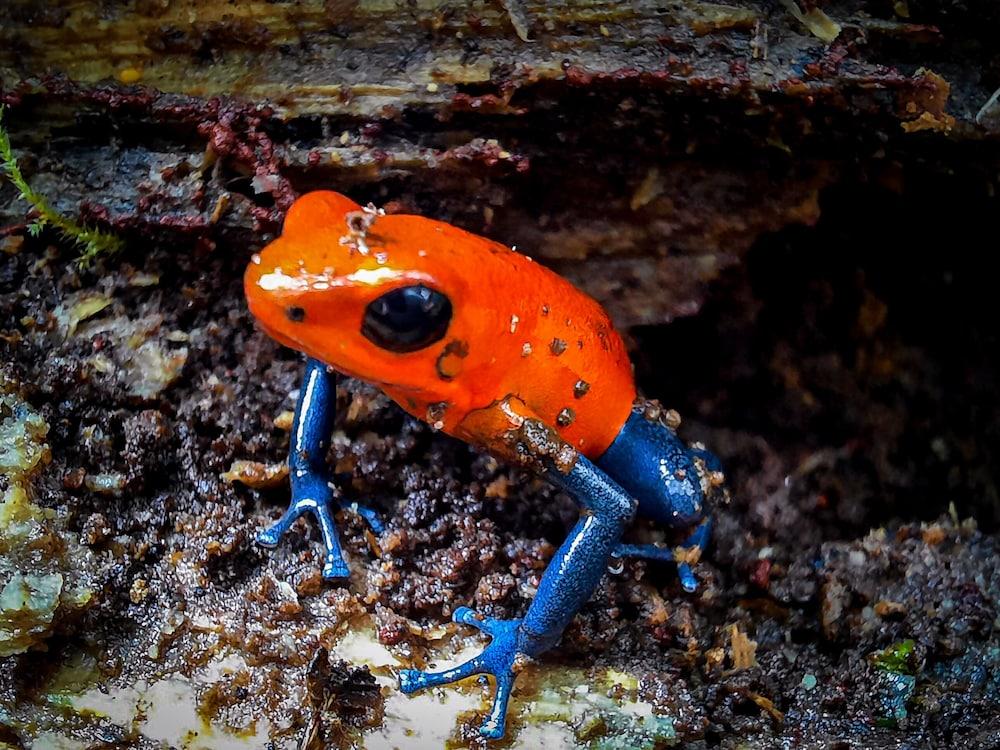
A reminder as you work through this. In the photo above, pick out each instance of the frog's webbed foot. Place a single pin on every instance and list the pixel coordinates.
(313, 495)
(502, 658)
(691, 551)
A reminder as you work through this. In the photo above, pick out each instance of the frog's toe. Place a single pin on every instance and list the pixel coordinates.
(334, 567)
(692, 550)
(371, 516)
(644, 552)
(411, 680)
(494, 725)
(271, 536)
(492, 729)
(687, 578)
(662, 554)
(466, 616)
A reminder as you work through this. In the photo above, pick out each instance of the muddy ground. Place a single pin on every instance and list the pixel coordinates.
(845, 374)
(795, 238)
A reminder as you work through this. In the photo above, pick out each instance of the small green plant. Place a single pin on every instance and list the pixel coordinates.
(898, 658)
(92, 242)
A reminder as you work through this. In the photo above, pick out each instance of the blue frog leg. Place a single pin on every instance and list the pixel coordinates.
(665, 476)
(697, 540)
(567, 584)
(312, 490)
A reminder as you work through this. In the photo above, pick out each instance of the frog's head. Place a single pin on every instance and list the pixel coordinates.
(344, 287)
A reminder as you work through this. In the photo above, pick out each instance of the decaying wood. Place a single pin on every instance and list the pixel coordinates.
(640, 148)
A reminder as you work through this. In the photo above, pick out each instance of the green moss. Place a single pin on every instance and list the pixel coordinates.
(897, 659)
(92, 242)
(22, 437)
(897, 681)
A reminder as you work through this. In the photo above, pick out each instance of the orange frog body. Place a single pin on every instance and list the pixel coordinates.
(488, 346)
(517, 332)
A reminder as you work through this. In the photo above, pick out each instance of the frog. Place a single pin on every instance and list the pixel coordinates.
(490, 347)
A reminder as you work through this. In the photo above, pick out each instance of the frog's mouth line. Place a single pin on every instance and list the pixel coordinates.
(285, 340)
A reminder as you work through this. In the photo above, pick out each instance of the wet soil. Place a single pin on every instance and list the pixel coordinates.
(844, 373)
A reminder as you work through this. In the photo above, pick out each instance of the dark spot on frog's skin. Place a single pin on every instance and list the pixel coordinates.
(545, 309)
(435, 414)
(579, 344)
(358, 221)
(557, 347)
(580, 388)
(602, 335)
(449, 363)
(565, 417)
(295, 314)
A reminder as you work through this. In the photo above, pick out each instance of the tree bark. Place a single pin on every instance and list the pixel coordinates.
(640, 148)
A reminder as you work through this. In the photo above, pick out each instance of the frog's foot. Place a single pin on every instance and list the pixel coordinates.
(664, 554)
(333, 558)
(689, 553)
(501, 658)
(370, 515)
(304, 502)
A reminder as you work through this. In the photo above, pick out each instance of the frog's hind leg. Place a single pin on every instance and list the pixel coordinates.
(690, 552)
(666, 477)
(568, 582)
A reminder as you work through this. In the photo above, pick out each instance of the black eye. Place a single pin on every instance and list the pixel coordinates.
(407, 319)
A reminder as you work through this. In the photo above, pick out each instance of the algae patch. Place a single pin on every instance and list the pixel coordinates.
(42, 572)
(601, 711)
(22, 437)
(27, 606)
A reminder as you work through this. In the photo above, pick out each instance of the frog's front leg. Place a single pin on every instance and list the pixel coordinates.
(312, 491)
(566, 585)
